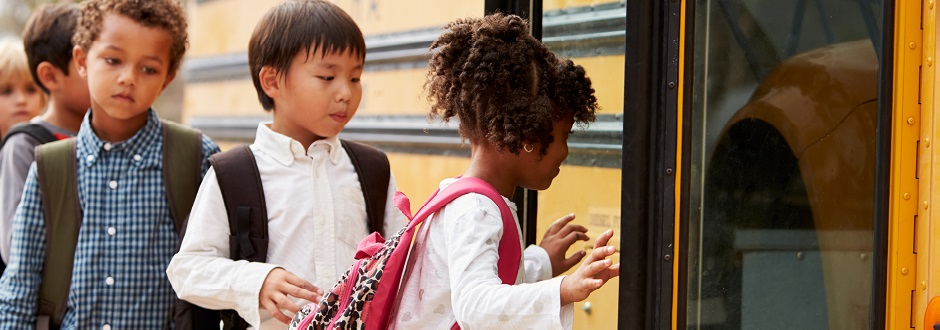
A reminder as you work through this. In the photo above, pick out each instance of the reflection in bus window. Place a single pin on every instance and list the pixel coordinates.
(591, 33)
(781, 212)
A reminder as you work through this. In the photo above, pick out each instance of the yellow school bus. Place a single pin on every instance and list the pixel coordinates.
(765, 164)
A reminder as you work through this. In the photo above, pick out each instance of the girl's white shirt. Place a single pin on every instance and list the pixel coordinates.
(453, 275)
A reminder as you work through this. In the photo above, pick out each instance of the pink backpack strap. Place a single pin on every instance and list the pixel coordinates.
(510, 254)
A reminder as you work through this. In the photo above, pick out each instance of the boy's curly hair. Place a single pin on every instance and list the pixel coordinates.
(505, 86)
(167, 15)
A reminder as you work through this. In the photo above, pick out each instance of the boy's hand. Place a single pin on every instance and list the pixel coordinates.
(593, 272)
(277, 286)
(558, 238)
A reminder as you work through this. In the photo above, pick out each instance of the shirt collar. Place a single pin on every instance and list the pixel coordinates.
(285, 149)
(143, 143)
(449, 181)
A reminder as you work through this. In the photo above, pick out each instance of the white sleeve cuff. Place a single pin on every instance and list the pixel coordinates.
(538, 266)
(248, 297)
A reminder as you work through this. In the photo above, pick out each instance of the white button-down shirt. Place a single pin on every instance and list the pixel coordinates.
(454, 275)
(316, 215)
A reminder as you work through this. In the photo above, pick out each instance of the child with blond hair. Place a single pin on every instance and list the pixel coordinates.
(20, 98)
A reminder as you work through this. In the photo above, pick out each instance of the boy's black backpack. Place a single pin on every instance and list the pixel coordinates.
(36, 131)
(243, 194)
(56, 164)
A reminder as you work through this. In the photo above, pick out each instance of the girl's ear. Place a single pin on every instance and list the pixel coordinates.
(270, 82)
(528, 147)
(78, 54)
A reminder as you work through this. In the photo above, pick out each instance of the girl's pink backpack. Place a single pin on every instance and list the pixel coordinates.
(364, 297)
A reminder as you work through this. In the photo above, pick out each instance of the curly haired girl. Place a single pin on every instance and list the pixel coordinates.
(516, 103)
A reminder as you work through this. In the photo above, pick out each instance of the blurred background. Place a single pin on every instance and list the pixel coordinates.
(14, 13)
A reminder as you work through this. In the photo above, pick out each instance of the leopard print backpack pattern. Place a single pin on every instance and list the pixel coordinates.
(364, 297)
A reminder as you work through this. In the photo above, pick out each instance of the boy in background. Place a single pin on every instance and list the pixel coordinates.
(47, 40)
(128, 51)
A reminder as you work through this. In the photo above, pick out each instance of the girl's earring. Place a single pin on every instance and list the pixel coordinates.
(527, 147)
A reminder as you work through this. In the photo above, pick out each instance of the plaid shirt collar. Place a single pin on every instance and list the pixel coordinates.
(144, 143)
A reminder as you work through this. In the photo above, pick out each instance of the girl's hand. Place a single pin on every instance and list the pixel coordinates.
(558, 238)
(277, 286)
(593, 272)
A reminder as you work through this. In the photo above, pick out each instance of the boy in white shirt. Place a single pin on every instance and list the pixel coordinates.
(306, 58)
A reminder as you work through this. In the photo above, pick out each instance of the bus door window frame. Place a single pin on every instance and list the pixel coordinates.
(648, 209)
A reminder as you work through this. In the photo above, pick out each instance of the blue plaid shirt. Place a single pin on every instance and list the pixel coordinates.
(125, 242)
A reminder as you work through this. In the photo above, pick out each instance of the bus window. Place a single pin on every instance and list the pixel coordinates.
(591, 33)
(783, 164)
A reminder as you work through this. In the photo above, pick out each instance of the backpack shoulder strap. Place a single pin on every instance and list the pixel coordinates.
(182, 169)
(36, 131)
(57, 169)
(373, 178)
(236, 170)
(510, 246)
(240, 183)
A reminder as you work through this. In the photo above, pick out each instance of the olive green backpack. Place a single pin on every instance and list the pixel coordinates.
(56, 164)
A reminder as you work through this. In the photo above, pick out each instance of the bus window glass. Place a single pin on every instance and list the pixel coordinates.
(591, 33)
(784, 117)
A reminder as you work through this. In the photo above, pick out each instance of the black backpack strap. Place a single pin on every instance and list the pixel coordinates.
(240, 182)
(373, 178)
(182, 170)
(36, 131)
(57, 169)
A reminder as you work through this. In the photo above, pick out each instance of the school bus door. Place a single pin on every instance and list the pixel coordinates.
(757, 154)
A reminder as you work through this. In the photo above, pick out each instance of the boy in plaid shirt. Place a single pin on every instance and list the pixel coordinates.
(128, 51)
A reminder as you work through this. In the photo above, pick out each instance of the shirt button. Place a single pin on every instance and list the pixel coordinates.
(112, 184)
(112, 231)
(107, 146)
(106, 327)
(90, 158)
(109, 281)
(138, 158)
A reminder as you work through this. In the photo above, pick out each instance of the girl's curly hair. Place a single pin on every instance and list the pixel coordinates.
(167, 15)
(504, 86)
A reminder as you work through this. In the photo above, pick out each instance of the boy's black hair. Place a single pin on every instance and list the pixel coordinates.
(505, 86)
(48, 37)
(300, 25)
(167, 15)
